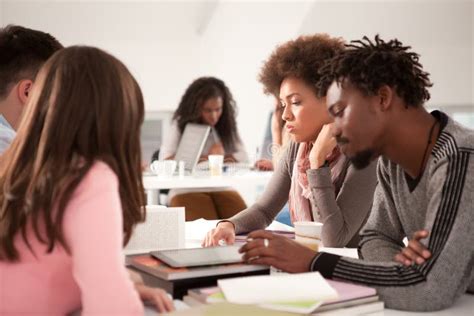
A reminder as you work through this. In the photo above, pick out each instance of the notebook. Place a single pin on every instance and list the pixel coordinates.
(193, 257)
(275, 289)
(191, 145)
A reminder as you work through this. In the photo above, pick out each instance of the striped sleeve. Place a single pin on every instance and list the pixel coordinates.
(438, 282)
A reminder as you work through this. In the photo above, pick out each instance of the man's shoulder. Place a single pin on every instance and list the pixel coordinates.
(6, 137)
(6, 132)
(455, 139)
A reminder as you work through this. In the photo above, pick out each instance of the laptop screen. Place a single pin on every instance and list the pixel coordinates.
(191, 145)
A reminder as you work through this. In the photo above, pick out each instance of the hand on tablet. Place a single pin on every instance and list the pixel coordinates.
(224, 231)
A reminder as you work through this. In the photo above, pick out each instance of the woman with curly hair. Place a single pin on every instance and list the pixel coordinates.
(207, 101)
(318, 182)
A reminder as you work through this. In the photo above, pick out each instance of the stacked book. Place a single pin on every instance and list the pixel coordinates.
(178, 281)
(351, 299)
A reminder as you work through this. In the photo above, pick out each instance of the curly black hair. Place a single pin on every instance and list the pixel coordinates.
(300, 58)
(189, 109)
(370, 65)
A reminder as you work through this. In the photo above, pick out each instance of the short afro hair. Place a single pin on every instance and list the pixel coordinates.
(369, 65)
(301, 58)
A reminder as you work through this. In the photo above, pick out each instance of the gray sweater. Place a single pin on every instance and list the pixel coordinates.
(342, 216)
(442, 203)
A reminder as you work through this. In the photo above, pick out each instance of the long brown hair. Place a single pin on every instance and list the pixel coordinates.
(85, 107)
(190, 107)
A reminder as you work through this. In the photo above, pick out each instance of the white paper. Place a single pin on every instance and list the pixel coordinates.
(277, 288)
(280, 226)
(163, 228)
(196, 230)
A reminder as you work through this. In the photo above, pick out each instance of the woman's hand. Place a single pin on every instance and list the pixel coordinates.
(264, 165)
(155, 296)
(277, 124)
(216, 149)
(224, 231)
(415, 252)
(322, 147)
(277, 251)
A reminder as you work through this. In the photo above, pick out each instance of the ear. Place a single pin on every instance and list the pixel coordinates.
(385, 96)
(327, 116)
(24, 90)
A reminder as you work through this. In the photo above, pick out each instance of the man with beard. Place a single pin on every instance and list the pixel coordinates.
(426, 181)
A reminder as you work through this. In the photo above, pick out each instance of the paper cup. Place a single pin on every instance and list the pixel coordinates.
(216, 162)
(308, 234)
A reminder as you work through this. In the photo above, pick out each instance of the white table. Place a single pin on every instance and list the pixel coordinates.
(248, 183)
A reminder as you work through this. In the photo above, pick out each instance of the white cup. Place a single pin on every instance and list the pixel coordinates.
(308, 234)
(164, 168)
(216, 163)
(181, 166)
(169, 167)
(157, 167)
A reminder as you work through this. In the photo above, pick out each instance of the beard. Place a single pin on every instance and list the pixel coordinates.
(362, 159)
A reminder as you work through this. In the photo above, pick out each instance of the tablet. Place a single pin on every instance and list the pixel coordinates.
(192, 257)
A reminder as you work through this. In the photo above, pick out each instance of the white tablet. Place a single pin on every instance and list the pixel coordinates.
(192, 257)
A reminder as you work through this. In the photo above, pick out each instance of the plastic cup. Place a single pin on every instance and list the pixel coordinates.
(216, 163)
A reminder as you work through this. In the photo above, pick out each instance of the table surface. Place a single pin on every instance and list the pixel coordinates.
(153, 182)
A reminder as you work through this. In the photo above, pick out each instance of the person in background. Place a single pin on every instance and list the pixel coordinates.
(274, 141)
(72, 191)
(426, 183)
(314, 177)
(208, 101)
(22, 52)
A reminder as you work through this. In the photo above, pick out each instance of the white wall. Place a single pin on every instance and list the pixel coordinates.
(1, 12)
(168, 44)
(154, 39)
(440, 31)
(239, 37)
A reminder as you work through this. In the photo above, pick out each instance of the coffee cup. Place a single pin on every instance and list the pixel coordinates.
(308, 234)
(163, 168)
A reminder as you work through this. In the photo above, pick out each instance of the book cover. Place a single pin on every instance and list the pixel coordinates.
(349, 291)
(362, 309)
(350, 295)
(155, 267)
(207, 295)
(191, 301)
(213, 294)
(349, 303)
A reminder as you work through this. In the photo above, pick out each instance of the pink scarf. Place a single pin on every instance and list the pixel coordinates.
(299, 195)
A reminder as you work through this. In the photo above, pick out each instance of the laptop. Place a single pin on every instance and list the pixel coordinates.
(191, 145)
(193, 257)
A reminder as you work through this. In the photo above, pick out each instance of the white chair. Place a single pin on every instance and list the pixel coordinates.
(163, 229)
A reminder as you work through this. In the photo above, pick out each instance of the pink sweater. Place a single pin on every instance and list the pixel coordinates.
(93, 277)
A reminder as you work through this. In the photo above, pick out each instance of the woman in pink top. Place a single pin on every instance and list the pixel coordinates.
(71, 191)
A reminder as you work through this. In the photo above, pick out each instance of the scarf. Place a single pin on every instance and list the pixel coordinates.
(300, 193)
